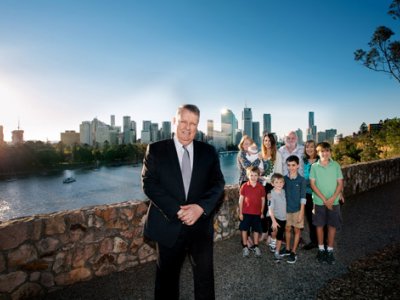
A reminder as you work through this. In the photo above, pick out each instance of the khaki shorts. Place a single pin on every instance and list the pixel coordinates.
(291, 220)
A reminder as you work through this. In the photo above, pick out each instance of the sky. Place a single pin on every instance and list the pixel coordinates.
(64, 62)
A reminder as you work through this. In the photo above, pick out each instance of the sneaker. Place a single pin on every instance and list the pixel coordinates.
(292, 258)
(284, 252)
(246, 252)
(330, 259)
(310, 246)
(277, 257)
(272, 248)
(321, 256)
(257, 252)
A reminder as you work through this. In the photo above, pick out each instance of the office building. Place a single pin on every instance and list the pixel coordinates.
(165, 131)
(247, 122)
(267, 123)
(70, 137)
(145, 135)
(330, 135)
(112, 119)
(210, 130)
(299, 134)
(154, 132)
(256, 133)
(229, 125)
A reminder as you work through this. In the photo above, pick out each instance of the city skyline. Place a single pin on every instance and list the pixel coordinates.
(68, 61)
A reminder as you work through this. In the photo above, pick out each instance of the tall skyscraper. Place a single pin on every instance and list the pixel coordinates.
(312, 128)
(228, 125)
(126, 129)
(267, 123)
(112, 120)
(310, 119)
(256, 133)
(154, 132)
(145, 135)
(165, 130)
(133, 131)
(17, 136)
(247, 119)
(85, 133)
(210, 130)
(299, 134)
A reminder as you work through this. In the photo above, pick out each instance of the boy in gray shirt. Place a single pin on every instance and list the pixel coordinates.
(277, 212)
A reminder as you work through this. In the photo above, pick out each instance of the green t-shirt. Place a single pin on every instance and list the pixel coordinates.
(326, 180)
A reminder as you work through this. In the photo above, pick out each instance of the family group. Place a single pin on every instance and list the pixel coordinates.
(281, 187)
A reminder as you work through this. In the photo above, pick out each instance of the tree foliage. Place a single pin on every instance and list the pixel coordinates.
(370, 145)
(384, 54)
(37, 156)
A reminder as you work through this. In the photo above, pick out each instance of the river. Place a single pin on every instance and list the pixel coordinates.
(105, 185)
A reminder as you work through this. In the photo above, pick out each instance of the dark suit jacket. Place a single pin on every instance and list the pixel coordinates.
(163, 185)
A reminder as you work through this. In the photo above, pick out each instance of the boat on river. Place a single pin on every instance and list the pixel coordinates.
(69, 180)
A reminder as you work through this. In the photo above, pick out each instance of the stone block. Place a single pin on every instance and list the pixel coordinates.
(10, 281)
(22, 255)
(47, 279)
(106, 246)
(76, 275)
(28, 290)
(120, 245)
(54, 225)
(12, 235)
(47, 246)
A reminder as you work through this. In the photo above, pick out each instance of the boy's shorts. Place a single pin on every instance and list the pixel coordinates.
(323, 216)
(281, 229)
(291, 220)
(251, 221)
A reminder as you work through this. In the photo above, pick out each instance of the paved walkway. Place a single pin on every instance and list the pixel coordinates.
(371, 221)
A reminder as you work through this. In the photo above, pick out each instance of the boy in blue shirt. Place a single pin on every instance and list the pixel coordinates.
(295, 190)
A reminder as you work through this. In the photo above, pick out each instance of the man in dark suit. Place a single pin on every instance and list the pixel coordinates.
(183, 180)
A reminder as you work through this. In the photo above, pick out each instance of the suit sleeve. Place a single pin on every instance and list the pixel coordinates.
(152, 187)
(215, 188)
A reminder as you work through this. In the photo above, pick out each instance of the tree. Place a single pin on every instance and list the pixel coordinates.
(363, 128)
(384, 54)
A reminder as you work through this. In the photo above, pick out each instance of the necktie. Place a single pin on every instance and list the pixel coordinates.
(186, 170)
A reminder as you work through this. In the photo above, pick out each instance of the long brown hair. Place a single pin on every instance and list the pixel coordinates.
(273, 146)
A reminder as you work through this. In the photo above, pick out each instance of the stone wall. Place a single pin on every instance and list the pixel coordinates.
(42, 253)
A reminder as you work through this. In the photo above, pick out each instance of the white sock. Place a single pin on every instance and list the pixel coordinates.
(273, 241)
(330, 249)
(321, 247)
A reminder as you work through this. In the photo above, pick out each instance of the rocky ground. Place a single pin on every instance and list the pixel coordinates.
(376, 276)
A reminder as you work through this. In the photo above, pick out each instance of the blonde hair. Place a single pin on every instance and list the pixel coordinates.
(244, 138)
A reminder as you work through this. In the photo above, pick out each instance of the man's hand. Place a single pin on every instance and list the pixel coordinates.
(189, 214)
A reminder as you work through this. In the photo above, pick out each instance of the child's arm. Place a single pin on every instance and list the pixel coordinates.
(275, 224)
(338, 191)
(303, 200)
(241, 207)
(319, 194)
(262, 207)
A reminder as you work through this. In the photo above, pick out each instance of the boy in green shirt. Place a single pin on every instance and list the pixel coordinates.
(326, 180)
